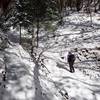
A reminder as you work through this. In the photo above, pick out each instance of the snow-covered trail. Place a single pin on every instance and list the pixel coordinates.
(78, 85)
(77, 35)
(25, 81)
(19, 82)
(84, 84)
(22, 77)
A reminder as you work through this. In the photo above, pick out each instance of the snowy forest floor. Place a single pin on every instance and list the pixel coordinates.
(27, 80)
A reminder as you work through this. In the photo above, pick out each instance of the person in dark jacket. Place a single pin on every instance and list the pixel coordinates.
(71, 60)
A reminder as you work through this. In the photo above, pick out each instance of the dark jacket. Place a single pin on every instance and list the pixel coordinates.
(71, 57)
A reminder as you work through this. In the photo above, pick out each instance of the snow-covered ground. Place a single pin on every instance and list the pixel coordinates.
(27, 80)
(81, 37)
(19, 83)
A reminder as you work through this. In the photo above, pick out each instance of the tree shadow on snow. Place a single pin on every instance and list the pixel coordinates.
(15, 74)
(39, 93)
(71, 82)
(63, 66)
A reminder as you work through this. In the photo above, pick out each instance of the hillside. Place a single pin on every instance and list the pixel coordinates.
(27, 80)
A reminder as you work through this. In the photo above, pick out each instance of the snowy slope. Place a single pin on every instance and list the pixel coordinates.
(19, 82)
(78, 85)
(83, 38)
(26, 80)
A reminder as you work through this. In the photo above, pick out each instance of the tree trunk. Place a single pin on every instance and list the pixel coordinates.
(95, 6)
(33, 42)
(90, 13)
(78, 5)
(20, 41)
(38, 22)
(99, 4)
(91, 18)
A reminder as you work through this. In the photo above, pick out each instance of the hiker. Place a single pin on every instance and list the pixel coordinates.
(71, 60)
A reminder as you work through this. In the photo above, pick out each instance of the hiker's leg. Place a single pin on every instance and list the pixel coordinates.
(73, 67)
(70, 65)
